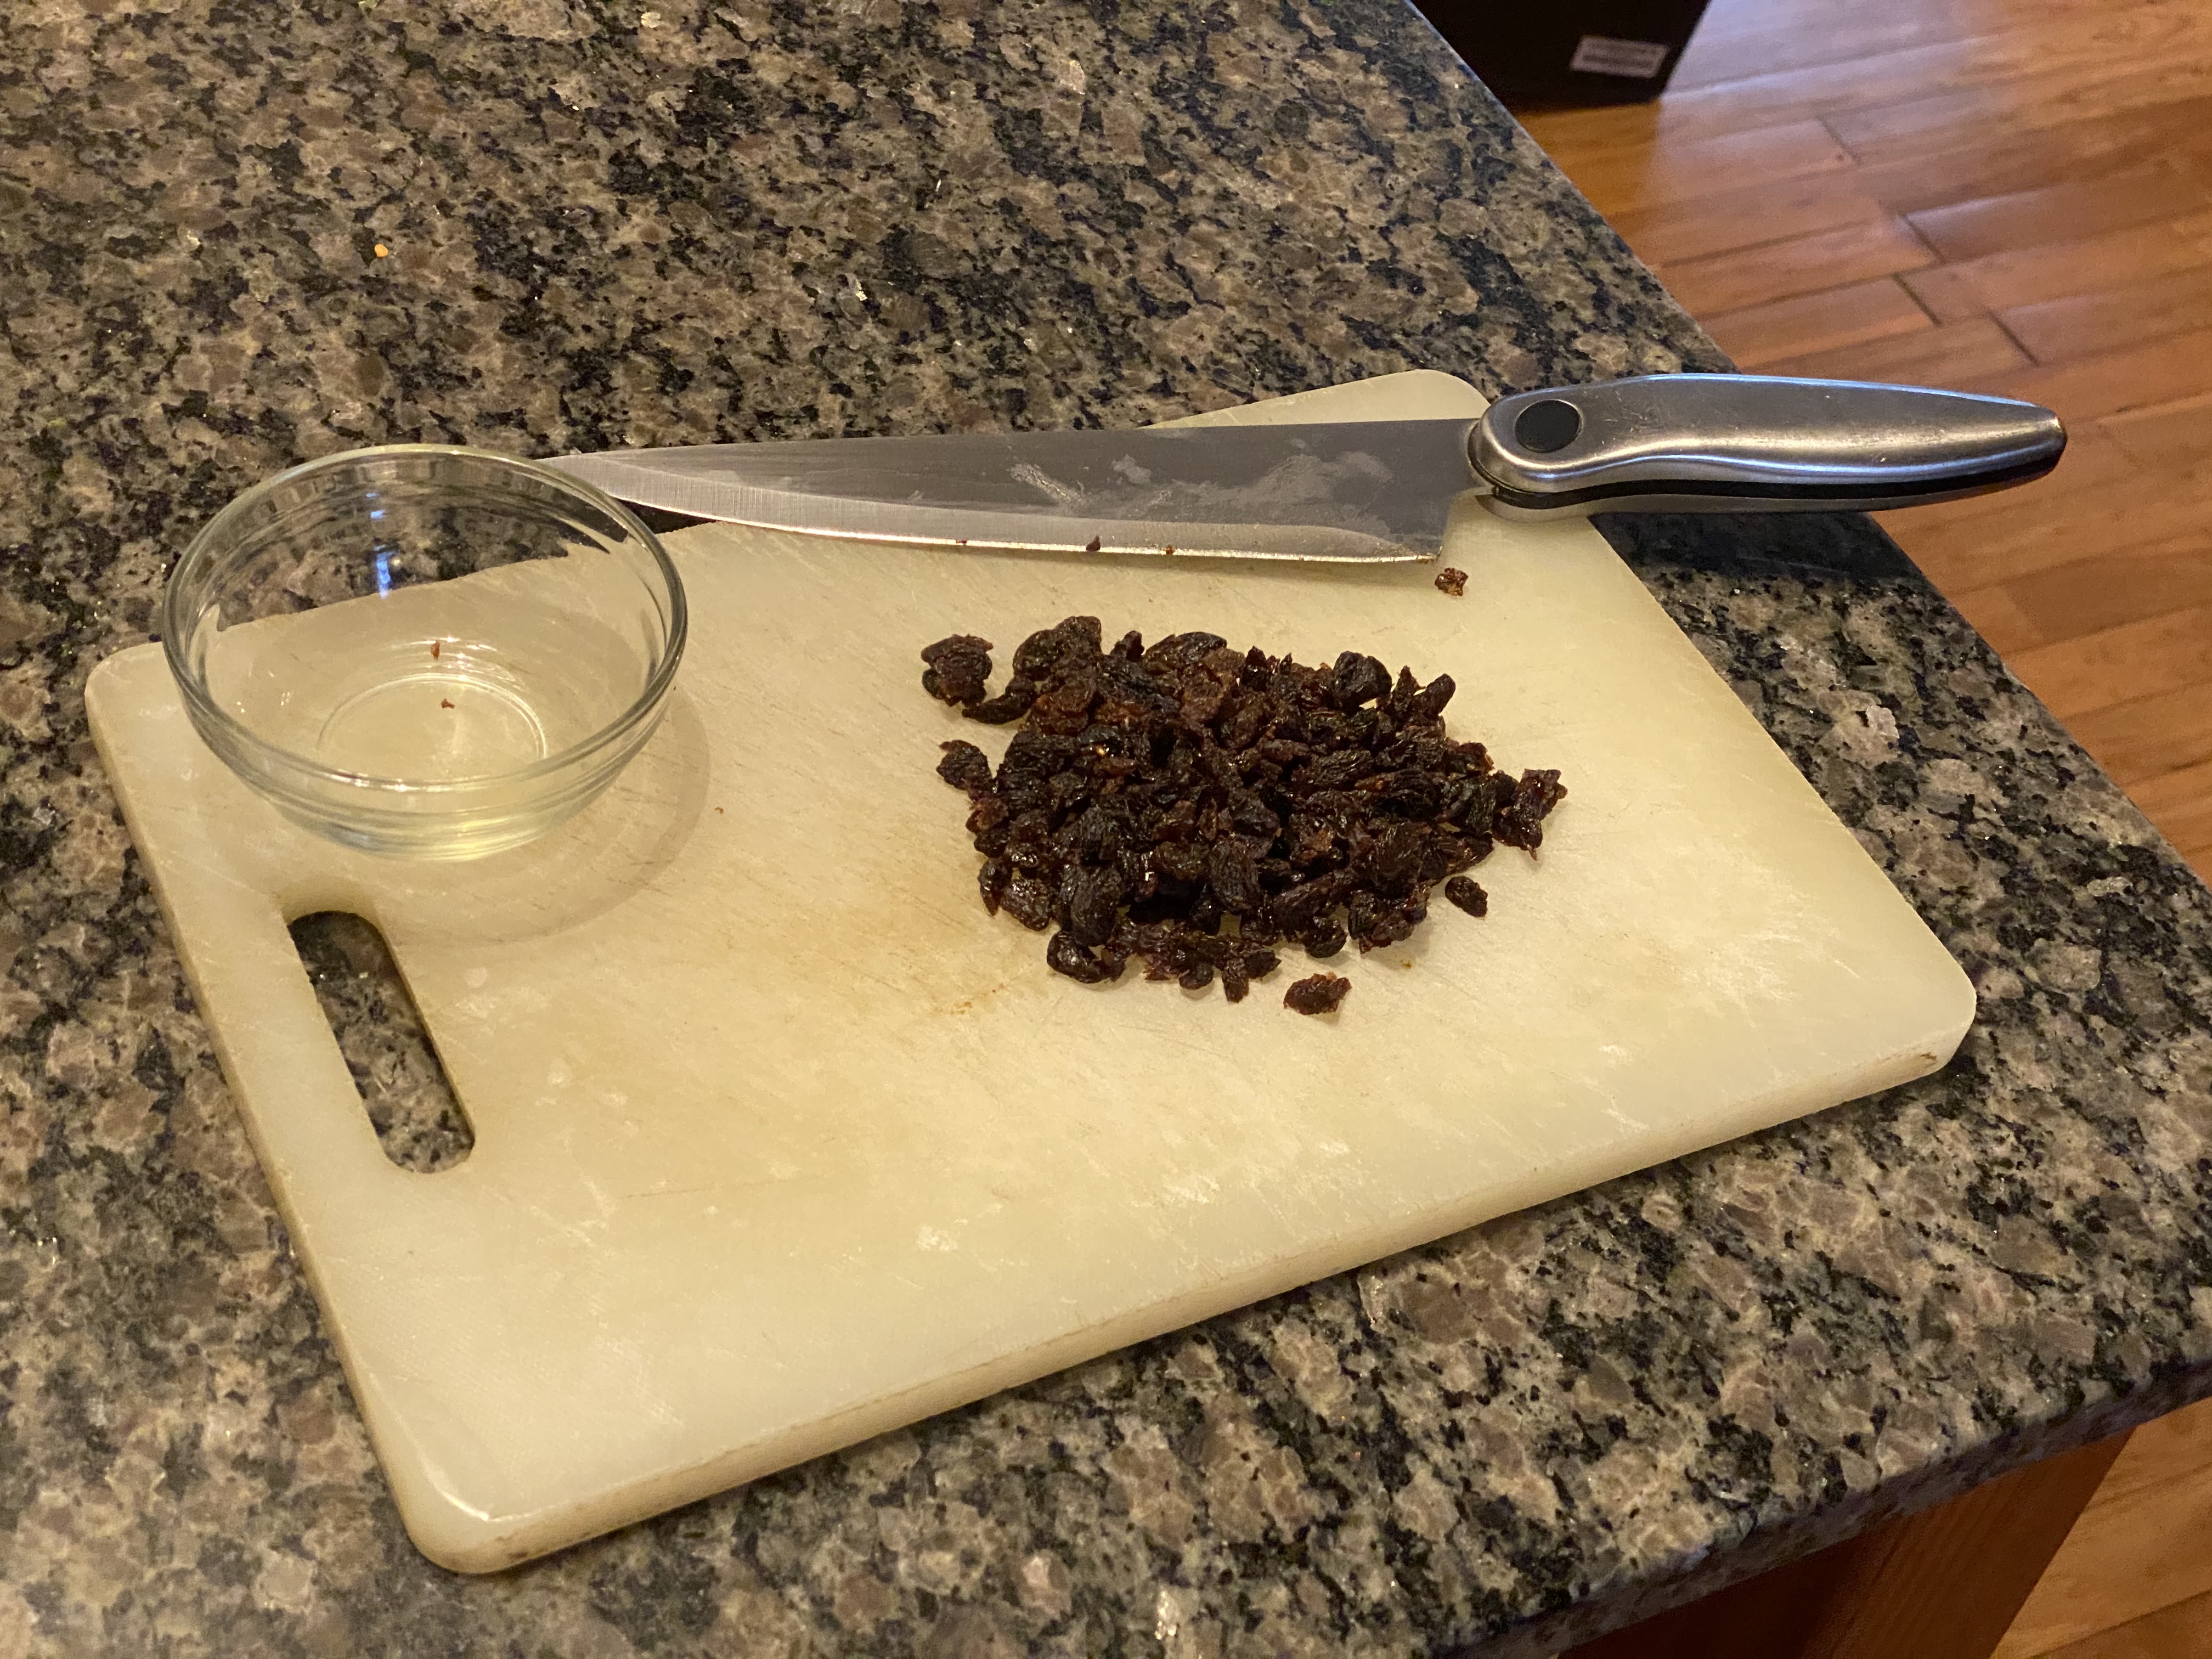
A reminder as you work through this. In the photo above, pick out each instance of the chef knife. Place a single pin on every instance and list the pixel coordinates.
(1365, 491)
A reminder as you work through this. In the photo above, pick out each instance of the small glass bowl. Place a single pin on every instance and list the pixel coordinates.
(423, 648)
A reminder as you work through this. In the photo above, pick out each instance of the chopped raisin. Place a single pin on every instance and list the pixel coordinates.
(1065, 956)
(1028, 901)
(1192, 806)
(1400, 702)
(1317, 993)
(1520, 821)
(1429, 701)
(1468, 896)
(1323, 939)
(1008, 705)
(958, 666)
(1452, 581)
(1358, 679)
(965, 767)
(1094, 904)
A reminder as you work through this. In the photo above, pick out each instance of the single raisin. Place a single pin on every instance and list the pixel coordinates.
(1064, 955)
(1235, 981)
(1358, 679)
(965, 767)
(1317, 993)
(1028, 900)
(1429, 701)
(1468, 896)
(1010, 705)
(958, 666)
(1094, 904)
(1323, 939)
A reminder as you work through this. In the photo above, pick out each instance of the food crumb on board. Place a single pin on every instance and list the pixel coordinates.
(1092, 546)
(1193, 806)
(445, 702)
(1317, 993)
(435, 645)
(1452, 581)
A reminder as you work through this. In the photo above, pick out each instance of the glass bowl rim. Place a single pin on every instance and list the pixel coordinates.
(206, 710)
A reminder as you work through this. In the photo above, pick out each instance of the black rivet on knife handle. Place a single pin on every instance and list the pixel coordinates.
(1548, 426)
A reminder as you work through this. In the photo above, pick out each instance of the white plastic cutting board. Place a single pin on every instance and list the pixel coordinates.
(782, 1142)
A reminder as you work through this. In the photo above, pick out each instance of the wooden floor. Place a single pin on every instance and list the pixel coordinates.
(2011, 195)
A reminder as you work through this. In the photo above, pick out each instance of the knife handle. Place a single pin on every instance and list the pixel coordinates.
(1752, 443)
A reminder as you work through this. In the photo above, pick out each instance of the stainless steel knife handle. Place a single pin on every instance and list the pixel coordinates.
(1751, 443)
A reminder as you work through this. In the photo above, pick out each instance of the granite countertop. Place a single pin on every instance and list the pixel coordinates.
(230, 238)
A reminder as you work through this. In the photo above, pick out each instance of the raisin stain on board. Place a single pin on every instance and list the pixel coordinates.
(1193, 806)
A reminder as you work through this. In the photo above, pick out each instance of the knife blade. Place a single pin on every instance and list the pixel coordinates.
(1363, 491)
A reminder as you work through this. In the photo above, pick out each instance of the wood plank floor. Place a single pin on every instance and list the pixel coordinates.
(2004, 195)
(2010, 196)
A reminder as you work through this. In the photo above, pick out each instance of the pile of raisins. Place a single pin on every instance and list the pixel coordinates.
(1196, 806)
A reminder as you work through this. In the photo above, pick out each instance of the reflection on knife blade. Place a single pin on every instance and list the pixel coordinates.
(1356, 491)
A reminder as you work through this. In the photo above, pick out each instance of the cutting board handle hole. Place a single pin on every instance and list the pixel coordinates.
(410, 1102)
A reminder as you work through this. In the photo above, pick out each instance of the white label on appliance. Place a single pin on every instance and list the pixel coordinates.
(1600, 54)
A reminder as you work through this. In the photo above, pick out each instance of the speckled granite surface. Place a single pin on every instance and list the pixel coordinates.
(232, 236)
